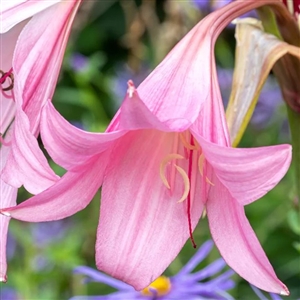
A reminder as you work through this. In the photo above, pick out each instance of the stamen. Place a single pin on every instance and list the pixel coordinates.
(163, 164)
(186, 144)
(3, 78)
(189, 196)
(201, 163)
(208, 181)
(131, 88)
(204, 213)
(186, 182)
(201, 167)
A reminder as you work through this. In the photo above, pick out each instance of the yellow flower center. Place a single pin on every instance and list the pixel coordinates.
(159, 287)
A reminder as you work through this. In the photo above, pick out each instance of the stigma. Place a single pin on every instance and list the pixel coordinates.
(159, 287)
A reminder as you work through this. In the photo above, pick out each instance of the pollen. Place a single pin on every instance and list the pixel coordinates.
(159, 287)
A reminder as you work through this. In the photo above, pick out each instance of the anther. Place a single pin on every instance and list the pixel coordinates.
(201, 163)
(163, 164)
(186, 182)
(3, 78)
(209, 182)
(186, 144)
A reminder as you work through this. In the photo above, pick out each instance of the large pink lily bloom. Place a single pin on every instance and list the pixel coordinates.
(164, 158)
(32, 48)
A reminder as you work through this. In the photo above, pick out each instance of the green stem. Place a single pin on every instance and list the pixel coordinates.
(294, 120)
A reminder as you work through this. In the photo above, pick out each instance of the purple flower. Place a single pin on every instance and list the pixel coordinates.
(46, 232)
(78, 62)
(184, 285)
(7, 293)
(123, 74)
(207, 6)
(269, 100)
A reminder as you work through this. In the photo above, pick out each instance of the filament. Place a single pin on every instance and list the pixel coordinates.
(186, 182)
(186, 144)
(201, 163)
(163, 164)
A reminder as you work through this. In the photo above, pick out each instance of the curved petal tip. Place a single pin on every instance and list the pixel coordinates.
(3, 278)
(5, 213)
(285, 291)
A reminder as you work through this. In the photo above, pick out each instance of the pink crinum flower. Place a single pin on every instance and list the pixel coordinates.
(164, 158)
(32, 48)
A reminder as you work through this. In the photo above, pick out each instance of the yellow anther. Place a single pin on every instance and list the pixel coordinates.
(201, 163)
(204, 213)
(186, 182)
(186, 144)
(163, 164)
(159, 287)
(201, 167)
(208, 181)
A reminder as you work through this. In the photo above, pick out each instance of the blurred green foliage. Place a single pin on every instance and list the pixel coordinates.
(116, 42)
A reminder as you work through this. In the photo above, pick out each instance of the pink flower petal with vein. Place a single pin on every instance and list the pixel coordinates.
(8, 198)
(38, 57)
(15, 11)
(237, 241)
(141, 222)
(35, 174)
(69, 195)
(248, 174)
(68, 145)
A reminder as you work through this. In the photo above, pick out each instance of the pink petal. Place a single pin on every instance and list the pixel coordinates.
(72, 193)
(248, 174)
(15, 11)
(36, 63)
(67, 145)
(181, 83)
(134, 114)
(8, 198)
(7, 45)
(142, 227)
(237, 241)
(211, 123)
(38, 57)
(26, 163)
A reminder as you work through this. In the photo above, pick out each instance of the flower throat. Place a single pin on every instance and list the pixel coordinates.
(194, 156)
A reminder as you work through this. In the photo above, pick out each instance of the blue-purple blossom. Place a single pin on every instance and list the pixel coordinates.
(7, 293)
(269, 99)
(78, 62)
(203, 284)
(208, 6)
(44, 233)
